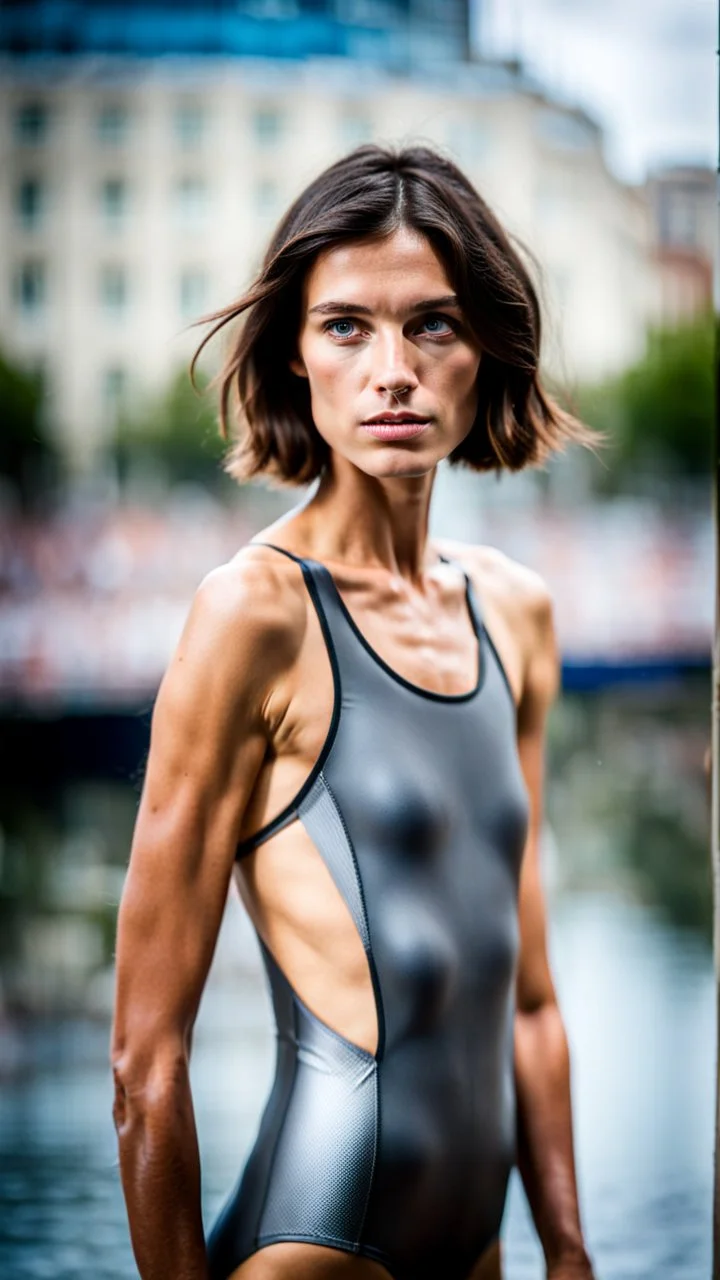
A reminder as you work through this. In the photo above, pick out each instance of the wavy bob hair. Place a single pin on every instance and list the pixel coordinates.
(370, 193)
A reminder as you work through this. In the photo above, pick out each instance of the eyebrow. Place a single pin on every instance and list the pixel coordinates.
(353, 309)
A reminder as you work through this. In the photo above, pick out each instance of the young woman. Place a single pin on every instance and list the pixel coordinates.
(352, 725)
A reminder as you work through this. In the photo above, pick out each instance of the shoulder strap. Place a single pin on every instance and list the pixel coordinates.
(476, 615)
(290, 554)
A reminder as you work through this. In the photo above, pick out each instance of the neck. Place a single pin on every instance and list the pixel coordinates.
(363, 520)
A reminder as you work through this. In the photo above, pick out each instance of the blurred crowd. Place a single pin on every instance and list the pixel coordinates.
(92, 600)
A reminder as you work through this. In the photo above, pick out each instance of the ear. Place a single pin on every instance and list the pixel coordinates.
(297, 367)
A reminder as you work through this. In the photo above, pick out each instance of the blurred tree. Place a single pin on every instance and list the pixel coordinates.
(176, 433)
(29, 458)
(658, 415)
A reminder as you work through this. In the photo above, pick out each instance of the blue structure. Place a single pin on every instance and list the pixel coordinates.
(585, 675)
(394, 33)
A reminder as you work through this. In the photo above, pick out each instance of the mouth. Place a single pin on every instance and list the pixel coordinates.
(395, 426)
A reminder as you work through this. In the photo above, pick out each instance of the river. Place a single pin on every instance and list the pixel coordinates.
(638, 1000)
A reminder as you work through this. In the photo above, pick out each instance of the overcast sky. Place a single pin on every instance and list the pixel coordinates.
(646, 69)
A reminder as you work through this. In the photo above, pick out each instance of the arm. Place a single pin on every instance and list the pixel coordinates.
(208, 739)
(542, 1067)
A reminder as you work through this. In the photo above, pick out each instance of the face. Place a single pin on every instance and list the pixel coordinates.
(391, 363)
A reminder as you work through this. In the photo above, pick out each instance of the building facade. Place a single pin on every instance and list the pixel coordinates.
(683, 205)
(139, 193)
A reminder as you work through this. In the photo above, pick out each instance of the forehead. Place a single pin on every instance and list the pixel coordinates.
(397, 269)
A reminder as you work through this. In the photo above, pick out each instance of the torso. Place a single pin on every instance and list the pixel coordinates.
(284, 884)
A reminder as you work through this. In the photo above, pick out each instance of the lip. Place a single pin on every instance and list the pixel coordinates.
(395, 426)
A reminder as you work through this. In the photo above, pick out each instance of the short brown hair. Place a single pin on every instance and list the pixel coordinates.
(372, 192)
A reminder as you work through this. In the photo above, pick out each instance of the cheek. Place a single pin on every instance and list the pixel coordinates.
(329, 370)
(456, 377)
(465, 365)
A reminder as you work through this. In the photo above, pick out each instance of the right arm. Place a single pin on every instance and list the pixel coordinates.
(211, 724)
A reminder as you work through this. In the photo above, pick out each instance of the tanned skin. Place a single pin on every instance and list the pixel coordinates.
(240, 718)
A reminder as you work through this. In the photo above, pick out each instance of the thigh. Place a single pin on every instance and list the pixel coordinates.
(289, 1260)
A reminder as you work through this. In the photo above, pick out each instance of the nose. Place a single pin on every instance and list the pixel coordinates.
(393, 368)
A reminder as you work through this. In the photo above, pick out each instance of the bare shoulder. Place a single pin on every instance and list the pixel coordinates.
(255, 595)
(244, 628)
(519, 610)
(518, 591)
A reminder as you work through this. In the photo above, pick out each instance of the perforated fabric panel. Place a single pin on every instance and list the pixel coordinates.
(319, 815)
(323, 1162)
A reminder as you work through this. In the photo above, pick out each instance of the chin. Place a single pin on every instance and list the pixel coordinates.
(397, 465)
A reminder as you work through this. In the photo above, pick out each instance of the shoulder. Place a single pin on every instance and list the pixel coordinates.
(514, 588)
(244, 629)
(518, 601)
(258, 596)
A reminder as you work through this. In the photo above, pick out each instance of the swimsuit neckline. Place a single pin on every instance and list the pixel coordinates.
(431, 694)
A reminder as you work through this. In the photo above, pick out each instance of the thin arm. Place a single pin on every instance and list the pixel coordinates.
(208, 739)
(542, 1063)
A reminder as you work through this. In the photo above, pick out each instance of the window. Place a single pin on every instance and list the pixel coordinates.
(190, 202)
(30, 287)
(112, 123)
(31, 122)
(193, 291)
(29, 202)
(678, 219)
(267, 125)
(189, 124)
(113, 200)
(113, 289)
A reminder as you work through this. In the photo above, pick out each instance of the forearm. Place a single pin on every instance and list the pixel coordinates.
(160, 1170)
(545, 1140)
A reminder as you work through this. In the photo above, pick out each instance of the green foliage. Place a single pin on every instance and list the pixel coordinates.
(27, 454)
(176, 432)
(672, 862)
(628, 796)
(658, 415)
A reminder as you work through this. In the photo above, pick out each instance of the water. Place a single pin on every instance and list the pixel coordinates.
(638, 1001)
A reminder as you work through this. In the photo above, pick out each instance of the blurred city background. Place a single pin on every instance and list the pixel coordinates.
(147, 150)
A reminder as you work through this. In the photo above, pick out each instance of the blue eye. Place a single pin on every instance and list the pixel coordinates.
(336, 326)
(437, 325)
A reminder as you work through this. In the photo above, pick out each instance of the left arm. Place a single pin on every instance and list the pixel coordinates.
(542, 1067)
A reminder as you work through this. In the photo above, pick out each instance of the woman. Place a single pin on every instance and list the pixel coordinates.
(338, 730)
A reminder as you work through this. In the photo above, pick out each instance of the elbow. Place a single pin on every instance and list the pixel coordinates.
(124, 1072)
(119, 1103)
(541, 1004)
(145, 1078)
(535, 994)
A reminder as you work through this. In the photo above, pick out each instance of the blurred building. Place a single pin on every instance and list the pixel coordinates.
(139, 192)
(683, 204)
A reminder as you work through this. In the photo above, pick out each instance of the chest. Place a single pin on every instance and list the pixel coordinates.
(435, 808)
(423, 784)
